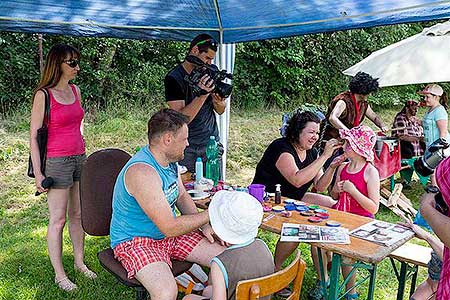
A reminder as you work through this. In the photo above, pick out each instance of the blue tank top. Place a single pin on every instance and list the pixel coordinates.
(128, 218)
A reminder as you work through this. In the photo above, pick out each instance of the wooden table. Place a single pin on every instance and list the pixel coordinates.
(366, 254)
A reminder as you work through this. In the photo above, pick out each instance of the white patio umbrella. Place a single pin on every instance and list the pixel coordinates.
(422, 58)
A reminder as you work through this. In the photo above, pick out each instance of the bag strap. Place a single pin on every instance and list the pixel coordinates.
(47, 107)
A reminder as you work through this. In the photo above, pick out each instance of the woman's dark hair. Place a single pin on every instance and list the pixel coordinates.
(165, 120)
(297, 123)
(363, 84)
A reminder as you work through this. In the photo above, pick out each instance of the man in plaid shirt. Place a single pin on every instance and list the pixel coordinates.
(411, 136)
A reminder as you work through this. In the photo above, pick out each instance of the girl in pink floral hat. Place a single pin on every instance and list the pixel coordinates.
(357, 182)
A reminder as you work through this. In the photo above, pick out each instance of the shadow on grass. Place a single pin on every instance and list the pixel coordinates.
(26, 272)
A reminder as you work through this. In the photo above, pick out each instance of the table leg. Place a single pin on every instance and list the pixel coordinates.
(323, 283)
(334, 277)
(413, 281)
(373, 274)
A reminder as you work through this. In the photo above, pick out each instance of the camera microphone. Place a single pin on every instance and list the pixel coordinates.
(46, 183)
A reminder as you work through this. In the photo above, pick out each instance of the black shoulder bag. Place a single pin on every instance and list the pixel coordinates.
(42, 134)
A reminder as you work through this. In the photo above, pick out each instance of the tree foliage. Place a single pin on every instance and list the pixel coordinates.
(285, 72)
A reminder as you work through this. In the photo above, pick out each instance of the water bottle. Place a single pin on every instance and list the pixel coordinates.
(198, 169)
(212, 160)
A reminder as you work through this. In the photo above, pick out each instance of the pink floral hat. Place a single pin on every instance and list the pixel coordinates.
(362, 140)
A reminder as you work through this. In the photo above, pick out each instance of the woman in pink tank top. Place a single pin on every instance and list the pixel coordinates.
(64, 158)
(357, 186)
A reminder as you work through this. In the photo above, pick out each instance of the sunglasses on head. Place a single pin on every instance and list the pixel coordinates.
(209, 42)
(72, 62)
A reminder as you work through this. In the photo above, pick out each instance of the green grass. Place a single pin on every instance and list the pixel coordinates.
(25, 270)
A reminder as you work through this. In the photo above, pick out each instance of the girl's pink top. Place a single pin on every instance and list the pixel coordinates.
(64, 135)
(346, 202)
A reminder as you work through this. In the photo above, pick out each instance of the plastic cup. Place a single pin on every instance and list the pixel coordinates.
(257, 191)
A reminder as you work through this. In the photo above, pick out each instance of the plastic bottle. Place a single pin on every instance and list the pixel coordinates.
(198, 169)
(277, 193)
(212, 160)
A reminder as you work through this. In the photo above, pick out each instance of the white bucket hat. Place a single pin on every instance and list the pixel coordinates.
(235, 216)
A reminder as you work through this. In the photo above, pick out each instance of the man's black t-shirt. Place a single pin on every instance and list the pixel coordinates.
(268, 174)
(204, 124)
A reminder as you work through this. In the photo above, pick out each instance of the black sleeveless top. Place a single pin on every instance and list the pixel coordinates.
(268, 174)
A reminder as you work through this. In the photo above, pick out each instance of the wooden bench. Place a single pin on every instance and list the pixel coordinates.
(410, 256)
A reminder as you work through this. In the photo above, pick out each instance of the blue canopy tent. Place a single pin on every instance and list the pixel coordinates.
(228, 21)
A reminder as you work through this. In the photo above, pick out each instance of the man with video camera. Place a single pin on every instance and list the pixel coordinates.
(200, 105)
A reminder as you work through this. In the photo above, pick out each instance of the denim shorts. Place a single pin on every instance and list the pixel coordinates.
(64, 170)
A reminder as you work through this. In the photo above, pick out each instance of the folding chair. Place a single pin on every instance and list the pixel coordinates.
(264, 286)
(98, 177)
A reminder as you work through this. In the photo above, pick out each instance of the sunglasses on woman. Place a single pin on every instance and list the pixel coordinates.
(72, 63)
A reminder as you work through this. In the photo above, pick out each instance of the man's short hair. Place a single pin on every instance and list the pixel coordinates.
(363, 84)
(165, 120)
(204, 42)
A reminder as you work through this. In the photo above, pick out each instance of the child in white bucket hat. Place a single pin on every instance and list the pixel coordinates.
(235, 218)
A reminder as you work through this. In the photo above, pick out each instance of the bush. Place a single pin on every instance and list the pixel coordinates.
(283, 73)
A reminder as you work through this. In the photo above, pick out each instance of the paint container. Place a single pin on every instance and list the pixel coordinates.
(307, 213)
(314, 207)
(278, 208)
(289, 207)
(320, 210)
(289, 201)
(333, 224)
(257, 191)
(314, 219)
(322, 215)
(301, 208)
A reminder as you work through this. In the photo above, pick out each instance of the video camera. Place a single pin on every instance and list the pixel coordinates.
(201, 69)
(438, 151)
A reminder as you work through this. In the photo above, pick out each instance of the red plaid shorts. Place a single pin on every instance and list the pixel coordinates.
(141, 251)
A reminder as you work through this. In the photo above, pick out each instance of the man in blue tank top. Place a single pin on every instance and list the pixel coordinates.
(146, 234)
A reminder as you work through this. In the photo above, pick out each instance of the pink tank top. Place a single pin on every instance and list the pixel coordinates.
(64, 135)
(346, 202)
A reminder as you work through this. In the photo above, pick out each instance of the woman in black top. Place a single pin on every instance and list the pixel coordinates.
(293, 162)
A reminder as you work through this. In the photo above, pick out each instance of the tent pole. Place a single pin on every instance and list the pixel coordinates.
(40, 51)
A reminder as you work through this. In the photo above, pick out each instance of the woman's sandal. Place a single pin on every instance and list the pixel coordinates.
(65, 284)
(85, 271)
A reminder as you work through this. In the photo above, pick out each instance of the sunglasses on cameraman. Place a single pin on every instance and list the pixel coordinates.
(73, 63)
